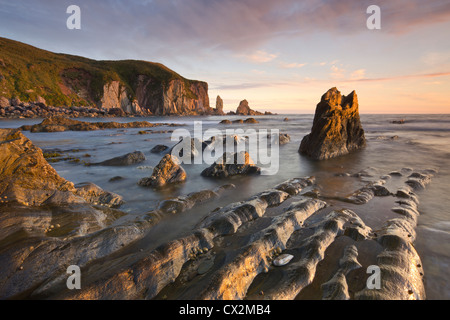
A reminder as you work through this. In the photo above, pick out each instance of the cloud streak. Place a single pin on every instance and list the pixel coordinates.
(234, 25)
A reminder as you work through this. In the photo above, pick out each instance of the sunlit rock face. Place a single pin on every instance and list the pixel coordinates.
(168, 171)
(336, 129)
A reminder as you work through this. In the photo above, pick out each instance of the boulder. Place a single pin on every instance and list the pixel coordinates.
(219, 106)
(168, 171)
(159, 148)
(284, 138)
(226, 121)
(251, 120)
(26, 177)
(93, 194)
(125, 160)
(15, 101)
(336, 129)
(231, 164)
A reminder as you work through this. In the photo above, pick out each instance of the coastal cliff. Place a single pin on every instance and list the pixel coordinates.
(32, 75)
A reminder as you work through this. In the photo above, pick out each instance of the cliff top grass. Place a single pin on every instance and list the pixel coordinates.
(28, 72)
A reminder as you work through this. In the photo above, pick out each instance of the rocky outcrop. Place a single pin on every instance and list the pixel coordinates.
(125, 160)
(26, 177)
(159, 148)
(336, 129)
(177, 97)
(168, 171)
(244, 109)
(231, 164)
(114, 96)
(251, 120)
(95, 195)
(47, 223)
(219, 106)
(162, 266)
(132, 86)
(284, 138)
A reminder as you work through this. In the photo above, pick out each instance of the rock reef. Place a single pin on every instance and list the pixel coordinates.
(61, 124)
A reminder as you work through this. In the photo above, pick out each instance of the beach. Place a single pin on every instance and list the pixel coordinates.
(420, 143)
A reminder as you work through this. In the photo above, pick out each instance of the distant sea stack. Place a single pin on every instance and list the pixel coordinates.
(127, 86)
(336, 129)
(219, 106)
(244, 109)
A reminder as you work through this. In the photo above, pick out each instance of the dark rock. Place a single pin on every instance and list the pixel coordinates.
(219, 106)
(336, 128)
(225, 122)
(159, 148)
(4, 102)
(125, 160)
(116, 178)
(117, 112)
(26, 177)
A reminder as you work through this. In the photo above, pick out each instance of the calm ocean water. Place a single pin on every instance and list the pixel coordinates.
(423, 142)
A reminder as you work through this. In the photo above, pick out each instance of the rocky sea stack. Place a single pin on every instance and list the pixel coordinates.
(336, 129)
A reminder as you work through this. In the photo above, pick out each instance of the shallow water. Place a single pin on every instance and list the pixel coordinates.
(423, 142)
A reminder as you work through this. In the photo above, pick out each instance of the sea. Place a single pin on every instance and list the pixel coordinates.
(421, 142)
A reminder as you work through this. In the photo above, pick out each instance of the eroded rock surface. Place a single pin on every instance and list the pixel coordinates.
(26, 177)
(230, 251)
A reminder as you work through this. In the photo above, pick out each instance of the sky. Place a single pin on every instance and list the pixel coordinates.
(280, 55)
